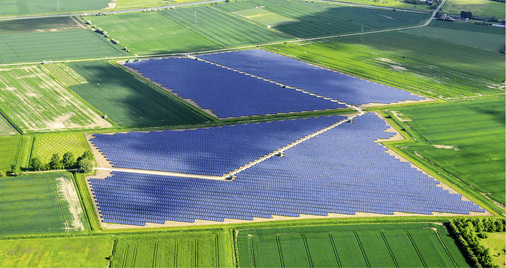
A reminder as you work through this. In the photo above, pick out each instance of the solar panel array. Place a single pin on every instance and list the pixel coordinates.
(214, 151)
(226, 92)
(341, 170)
(299, 74)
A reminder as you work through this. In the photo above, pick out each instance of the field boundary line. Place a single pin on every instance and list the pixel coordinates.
(416, 248)
(445, 248)
(361, 249)
(334, 249)
(382, 233)
(280, 252)
(306, 247)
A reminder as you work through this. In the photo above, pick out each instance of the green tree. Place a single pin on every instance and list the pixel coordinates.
(35, 164)
(55, 162)
(68, 160)
(85, 165)
(14, 169)
(88, 155)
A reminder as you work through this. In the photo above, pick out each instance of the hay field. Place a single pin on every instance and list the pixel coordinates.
(35, 102)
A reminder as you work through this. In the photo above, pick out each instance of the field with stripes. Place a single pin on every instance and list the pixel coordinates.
(377, 245)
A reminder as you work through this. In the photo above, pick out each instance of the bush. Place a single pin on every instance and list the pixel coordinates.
(35, 164)
(85, 165)
(68, 160)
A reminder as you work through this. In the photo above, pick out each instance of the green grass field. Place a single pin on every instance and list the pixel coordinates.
(373, 245)
(128, 101)
(152, 33)
(402, 60)
(472, 38)
(39, 204)
(223, 28)
(465, 139)
(48, 144)
(14, 150)
(390, 3)
(496, 243)
(128, 4)
(57, 45)
(485, 8)
(49, 6)
(33, 101)
(189, 249)
(56, 252)
(324, 19)
(264, 16)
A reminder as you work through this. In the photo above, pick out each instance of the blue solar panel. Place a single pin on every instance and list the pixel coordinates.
(310, 78)
(341, 171)
(215, 151)
(228, 93)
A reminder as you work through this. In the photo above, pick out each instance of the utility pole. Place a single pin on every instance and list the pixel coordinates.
(57, 4)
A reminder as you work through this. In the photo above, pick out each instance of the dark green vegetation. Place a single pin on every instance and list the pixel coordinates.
(467, 233)
(49, 6)
(465, 139)
(39, 25)
(39, 204)
(130, 102)
(59, 45)
(324, 19)
(190, 249)
(14, 150)
(56, 252)
(405, 61)
(152, 33)
(384, 245)
(472, 35)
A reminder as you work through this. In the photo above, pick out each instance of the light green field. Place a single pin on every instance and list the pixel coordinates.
(223, 28)
(403, 61)
(374, 245)
(129, 102)
(14, 150)
(39, 25)
(264, 16)
(33, 101)
(486, 8)
(466, 139)
(39, 204)
(49, 6)
(5, 128)
(58, 45)
(151, 33)
(64, 74)
(496, 242)
(56, 252)
(390, 3)
(326, 19)
(128, 4)
(486, 41)
(189, 249)
(47, 145)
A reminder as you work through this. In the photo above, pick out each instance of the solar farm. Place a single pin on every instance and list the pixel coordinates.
(252, 133)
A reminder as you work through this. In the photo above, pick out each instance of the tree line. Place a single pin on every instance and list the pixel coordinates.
(468, 232)
(68, 161)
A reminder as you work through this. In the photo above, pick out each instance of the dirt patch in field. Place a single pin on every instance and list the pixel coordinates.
(112, 4)
(449, 147)
(67, 192)
(399, 116)
(376, 104)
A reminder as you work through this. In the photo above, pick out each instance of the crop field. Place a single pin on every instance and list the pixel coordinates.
(56, 252)
(486, 8)
(383, 245)
(486, 41)
(48, 144)
(223, 28)
(391, 3)
(39, 25)
(57, 45)
(152, 33)
(264, 16)
(5, 128)
(401, 60)
(14, 150)
(318, 19)
(49, 6)
(126, 4)
(192, 249)
(39, 204)
(464, 138)
(129, 102)
(34, 101)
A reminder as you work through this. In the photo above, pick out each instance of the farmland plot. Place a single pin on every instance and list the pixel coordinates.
(39, 204)
(13, 150)
(49, 6)
(5, 128)
(35, 102)
(48, 144)
(383, 245)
